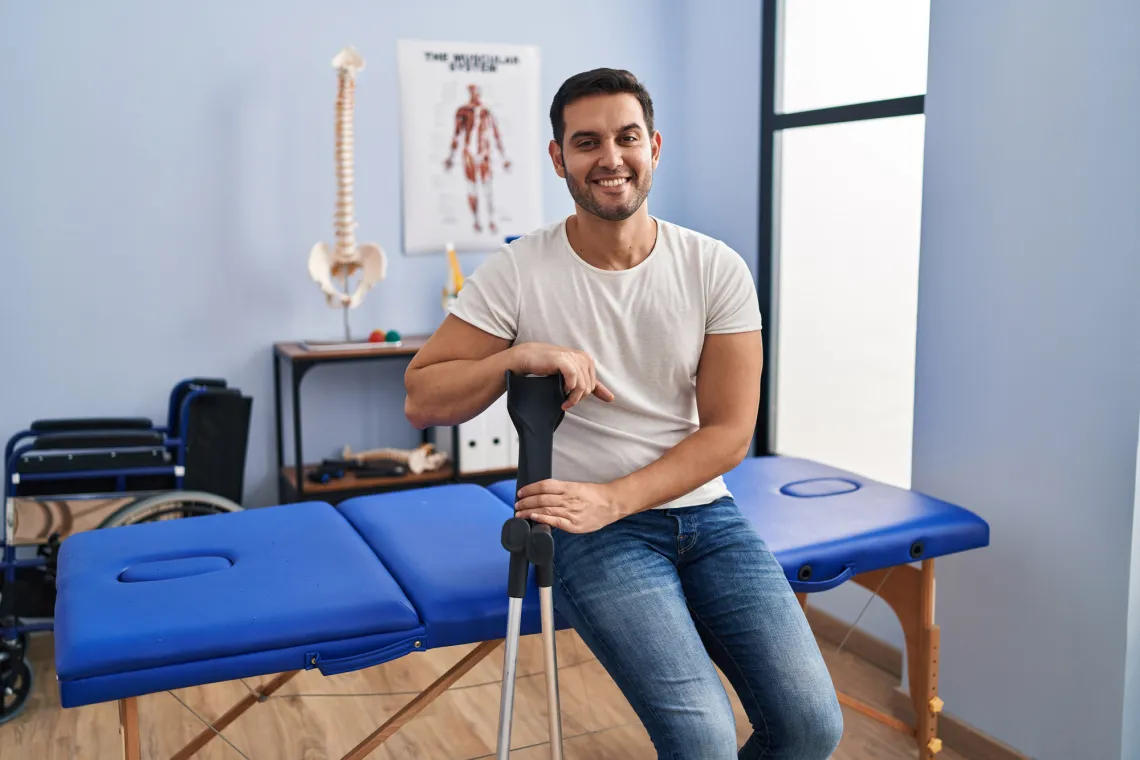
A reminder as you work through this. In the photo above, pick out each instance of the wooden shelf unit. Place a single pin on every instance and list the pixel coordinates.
(294, 486)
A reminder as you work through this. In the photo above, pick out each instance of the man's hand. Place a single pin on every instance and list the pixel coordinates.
(578, 374)
(569, 506)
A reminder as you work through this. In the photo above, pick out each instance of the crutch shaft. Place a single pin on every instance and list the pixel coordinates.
(510, 663)
(550, 658)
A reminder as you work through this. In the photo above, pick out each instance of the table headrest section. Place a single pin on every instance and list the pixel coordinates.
(822, 522)
(282, 585)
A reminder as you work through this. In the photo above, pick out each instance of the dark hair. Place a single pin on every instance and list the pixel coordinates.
(596, 82)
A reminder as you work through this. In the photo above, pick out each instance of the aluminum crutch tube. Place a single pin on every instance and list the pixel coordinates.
(550, 658)
(510, 663)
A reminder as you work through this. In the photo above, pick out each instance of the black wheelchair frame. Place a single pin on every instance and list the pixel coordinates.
(193, 464)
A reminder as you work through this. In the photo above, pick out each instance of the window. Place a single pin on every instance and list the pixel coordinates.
(841, 200)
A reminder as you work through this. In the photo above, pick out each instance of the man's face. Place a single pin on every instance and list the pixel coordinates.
(607, 156)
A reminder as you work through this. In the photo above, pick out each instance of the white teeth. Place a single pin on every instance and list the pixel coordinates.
(612, 182)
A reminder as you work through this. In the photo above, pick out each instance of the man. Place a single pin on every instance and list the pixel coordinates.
(656, 331)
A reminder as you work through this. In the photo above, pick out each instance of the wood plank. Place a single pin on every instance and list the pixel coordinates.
(296, 350)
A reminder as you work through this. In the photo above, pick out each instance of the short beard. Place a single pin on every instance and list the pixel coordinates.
(582, 195)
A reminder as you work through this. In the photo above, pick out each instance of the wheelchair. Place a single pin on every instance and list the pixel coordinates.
(64, 475)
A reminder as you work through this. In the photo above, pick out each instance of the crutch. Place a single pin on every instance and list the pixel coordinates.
(534, 403)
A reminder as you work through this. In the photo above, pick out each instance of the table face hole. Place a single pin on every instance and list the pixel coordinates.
(816, 487)
(170, 569)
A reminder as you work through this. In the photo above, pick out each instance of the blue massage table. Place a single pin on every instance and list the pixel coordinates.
(273, 591)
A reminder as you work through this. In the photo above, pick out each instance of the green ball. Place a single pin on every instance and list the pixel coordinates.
(391, 336)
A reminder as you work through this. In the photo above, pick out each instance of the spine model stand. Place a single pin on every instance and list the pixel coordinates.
(347, 257)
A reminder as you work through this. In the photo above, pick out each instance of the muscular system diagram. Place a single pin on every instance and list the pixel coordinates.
(475, 126)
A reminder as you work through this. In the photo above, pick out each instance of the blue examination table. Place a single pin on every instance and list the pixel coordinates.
(273, 591)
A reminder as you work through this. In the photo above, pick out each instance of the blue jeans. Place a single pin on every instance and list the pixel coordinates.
(660, 596)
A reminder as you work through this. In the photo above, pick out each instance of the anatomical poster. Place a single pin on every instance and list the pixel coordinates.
(471, 144)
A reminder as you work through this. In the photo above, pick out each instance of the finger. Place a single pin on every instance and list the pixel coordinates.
(604, 393)
(541, 501)
(575, 389)
(585, 384)
(548, 485)
(570, 381)
(574, 397)
(553, 519)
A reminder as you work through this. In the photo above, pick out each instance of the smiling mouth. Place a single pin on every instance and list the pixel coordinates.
(612, 182)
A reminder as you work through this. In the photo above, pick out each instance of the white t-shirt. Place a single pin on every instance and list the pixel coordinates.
(644, 328)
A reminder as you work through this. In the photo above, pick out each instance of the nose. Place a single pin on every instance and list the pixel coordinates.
(611, 158)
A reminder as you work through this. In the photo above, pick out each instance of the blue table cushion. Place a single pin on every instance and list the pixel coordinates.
(506, 490)
(281, 585)
(443, 545)
(825, 524)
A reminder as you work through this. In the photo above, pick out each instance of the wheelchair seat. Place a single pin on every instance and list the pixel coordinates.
(202, 446)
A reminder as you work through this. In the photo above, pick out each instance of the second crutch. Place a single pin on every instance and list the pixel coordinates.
(534, 404)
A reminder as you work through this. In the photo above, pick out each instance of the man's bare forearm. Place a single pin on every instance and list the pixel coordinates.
(710, 451)
(452, 392)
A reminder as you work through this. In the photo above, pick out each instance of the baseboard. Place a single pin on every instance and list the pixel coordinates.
(955, 733)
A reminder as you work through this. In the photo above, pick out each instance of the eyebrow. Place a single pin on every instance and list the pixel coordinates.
(633, 127)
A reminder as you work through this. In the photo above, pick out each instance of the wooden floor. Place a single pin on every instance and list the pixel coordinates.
(314, 717)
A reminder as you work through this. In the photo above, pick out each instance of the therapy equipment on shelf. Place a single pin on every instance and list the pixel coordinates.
(160, 606)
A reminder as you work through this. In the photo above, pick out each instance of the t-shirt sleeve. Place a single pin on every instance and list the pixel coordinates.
(489, 298)
(732, 302)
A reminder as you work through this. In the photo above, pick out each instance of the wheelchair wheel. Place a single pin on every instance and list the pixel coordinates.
(173, 505)
(15, 685)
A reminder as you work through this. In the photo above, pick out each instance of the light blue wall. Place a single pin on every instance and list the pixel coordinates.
(166, 168)
(1028, 376)
(719, 150)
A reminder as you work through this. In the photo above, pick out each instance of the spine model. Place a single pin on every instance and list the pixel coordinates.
(346, 257)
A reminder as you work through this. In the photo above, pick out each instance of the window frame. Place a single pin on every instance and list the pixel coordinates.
(772, 124)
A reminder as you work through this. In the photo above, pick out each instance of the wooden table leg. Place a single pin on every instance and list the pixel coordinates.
(922, 666)
(207, 734)
(129, 728)
(910, 593)
(425, 698)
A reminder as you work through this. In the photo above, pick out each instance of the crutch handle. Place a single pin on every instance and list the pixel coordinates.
(534, 403)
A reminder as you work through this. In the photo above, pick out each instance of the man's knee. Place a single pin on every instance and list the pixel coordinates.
(699, 729)
(807, 729)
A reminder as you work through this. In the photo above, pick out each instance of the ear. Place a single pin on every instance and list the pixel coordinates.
(556, 158)
(655, 148)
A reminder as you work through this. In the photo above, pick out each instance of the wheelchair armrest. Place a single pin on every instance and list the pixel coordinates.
(208, 382)
(65, 424)
(98, 439)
